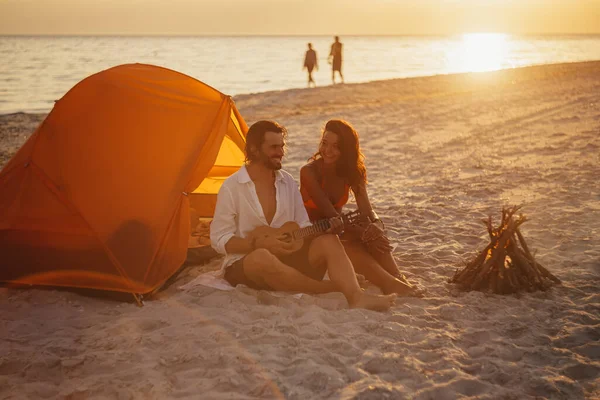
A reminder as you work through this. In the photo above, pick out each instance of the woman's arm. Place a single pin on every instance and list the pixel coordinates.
(362, 198)
(363, 203)
(374, 234)
(312, 188)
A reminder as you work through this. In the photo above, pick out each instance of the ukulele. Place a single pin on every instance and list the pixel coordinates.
(291, 233)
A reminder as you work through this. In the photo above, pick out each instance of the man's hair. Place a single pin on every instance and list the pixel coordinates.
(351, 164)
(256, 136)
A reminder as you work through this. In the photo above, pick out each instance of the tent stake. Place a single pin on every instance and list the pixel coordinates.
(138, 299)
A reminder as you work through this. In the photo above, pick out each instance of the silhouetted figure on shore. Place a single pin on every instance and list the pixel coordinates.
(335, 59)
(310, 63)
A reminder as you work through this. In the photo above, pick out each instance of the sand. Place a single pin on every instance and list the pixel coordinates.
(442, 153)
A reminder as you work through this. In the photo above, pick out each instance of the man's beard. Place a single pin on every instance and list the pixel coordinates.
(269, 162)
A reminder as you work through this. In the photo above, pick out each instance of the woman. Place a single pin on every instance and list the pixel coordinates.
(325, 183)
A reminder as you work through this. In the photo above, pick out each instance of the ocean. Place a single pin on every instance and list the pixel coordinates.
(37, 70)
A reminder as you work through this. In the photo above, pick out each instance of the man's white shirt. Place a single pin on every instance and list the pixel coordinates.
(238, 211)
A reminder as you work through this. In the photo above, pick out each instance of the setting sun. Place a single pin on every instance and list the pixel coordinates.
(478, 52)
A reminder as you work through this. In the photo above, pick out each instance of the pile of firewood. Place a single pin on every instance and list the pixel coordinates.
(506, 265)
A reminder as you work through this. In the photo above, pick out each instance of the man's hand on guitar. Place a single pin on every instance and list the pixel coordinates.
(336, 225)
(276, 245)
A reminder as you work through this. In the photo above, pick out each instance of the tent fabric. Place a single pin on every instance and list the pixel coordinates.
(99, 195)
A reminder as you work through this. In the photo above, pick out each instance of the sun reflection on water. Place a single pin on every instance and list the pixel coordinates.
(478, 52)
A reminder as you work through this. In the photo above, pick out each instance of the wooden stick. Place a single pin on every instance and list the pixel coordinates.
(477, 261)
(526, 248)
(497, 252)
(490, 228)
(512, 279)
(547, 273)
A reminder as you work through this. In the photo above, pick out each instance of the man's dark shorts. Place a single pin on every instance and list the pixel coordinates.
(234, 274)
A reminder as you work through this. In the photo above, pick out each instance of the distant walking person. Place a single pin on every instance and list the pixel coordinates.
(335, 59)
(310, 63)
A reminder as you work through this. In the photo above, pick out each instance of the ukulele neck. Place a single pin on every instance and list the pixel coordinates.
(316, 227)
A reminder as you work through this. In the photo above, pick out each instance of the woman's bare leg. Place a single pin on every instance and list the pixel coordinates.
(387, 262)
(365, 264)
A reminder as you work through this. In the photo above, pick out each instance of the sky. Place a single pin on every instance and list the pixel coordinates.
(296, 17)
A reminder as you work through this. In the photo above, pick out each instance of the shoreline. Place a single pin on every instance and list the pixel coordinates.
(459, 75)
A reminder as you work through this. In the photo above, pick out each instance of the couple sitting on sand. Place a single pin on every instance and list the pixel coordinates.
(251, 224)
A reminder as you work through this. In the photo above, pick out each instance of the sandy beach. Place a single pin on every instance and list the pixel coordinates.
(442, 153)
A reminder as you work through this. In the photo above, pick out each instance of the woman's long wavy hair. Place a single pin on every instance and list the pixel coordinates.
(351, 164)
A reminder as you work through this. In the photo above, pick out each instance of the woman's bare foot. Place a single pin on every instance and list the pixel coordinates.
(402, 277)
(362, 281)
(373, 302)
(397, 286)
(418, 291)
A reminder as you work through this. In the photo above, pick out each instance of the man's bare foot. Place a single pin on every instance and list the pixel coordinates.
(373, 301)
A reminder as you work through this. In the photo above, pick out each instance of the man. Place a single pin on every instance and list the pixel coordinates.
(335, 59)
(260, 194)
(310, 63)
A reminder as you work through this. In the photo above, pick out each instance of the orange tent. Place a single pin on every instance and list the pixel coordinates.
(99, 195)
